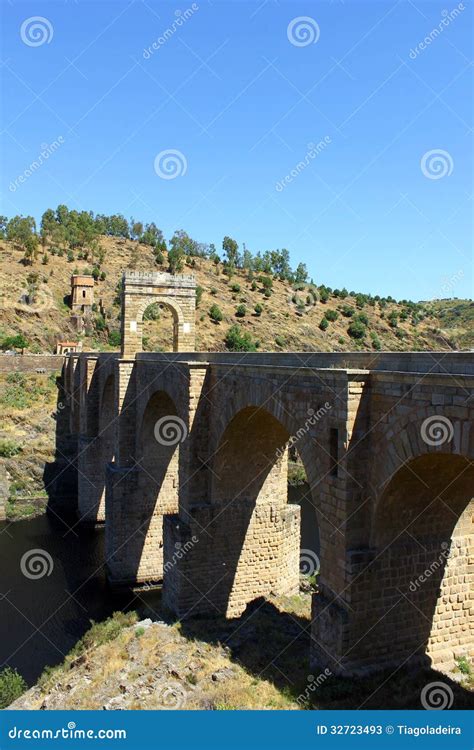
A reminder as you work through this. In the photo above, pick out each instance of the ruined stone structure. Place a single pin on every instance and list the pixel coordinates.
(184, 456)
(82, 293)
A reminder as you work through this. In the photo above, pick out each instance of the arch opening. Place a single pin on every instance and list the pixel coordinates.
(419, 580)
(257, 529)
(160, 327)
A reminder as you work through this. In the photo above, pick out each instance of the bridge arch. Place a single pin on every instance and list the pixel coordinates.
(423, 431)
(415, 608)
(255, 530)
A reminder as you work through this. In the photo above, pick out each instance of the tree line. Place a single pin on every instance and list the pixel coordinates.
(70, 231)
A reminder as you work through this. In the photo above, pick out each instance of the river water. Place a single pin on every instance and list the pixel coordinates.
(42, 618)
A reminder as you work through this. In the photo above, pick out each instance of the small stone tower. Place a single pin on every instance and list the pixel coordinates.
(82, 293)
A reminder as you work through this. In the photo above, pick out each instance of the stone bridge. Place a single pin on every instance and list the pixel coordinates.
(184, 456)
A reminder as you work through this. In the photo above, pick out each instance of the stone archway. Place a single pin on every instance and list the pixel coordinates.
(175, 291)
(421, 537)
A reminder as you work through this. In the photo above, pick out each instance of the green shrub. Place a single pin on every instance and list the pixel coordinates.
(258, 309)
(393, 319)
(323, 324)
(215, 314)
(14, 342)
(331, 315)
(8, 448)
(235, 288)
(115, 338)
(99, 323)
(280, 341)
(357, 330)
(375, 342)
(347, 311)
(267, 283)
(240, 312)
(362, 318)
(464, 665)
(152, 312)
(254, 286)
(104, 632)
(12, 685)
(238, 340)
(323, 296)
(199, 291)
(213, 291)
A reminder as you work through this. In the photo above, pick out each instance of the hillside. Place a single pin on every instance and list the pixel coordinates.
(215, 664)
(290, 317)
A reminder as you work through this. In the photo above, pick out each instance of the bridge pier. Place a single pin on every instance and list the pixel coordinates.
(218, 562)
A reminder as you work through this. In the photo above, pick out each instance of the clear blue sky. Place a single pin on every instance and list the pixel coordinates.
(241, 103)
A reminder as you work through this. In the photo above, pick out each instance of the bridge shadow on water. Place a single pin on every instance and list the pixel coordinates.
(52, 584)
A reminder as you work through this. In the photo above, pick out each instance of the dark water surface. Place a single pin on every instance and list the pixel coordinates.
(42, 618)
